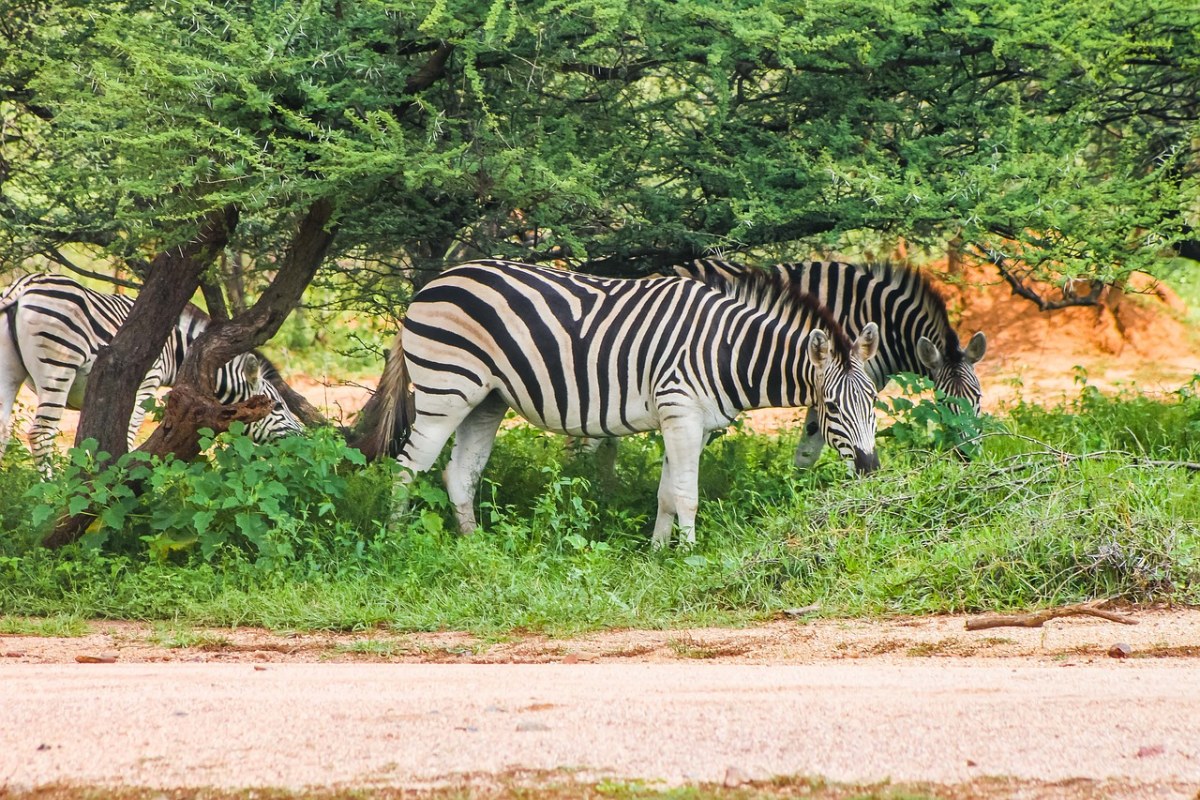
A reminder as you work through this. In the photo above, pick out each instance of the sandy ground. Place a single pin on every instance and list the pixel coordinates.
(905, 700)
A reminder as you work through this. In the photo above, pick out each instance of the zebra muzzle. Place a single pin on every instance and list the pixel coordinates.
(865, 462)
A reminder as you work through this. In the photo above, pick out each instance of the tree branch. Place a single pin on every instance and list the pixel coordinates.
(221, 341)
(1021, 289)
(1038, 618)
(55, 255)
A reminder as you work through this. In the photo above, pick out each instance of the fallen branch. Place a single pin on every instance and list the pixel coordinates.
(1036, 619)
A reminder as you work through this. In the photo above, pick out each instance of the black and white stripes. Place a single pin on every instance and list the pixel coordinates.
(50, 330)
(914, 328)
(593, 356)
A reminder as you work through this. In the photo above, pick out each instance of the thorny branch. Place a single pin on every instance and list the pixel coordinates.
(1017, 281)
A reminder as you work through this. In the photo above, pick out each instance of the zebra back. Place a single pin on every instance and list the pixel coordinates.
(73, 319)
(915, 330)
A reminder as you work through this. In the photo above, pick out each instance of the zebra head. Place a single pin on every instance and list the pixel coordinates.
(844, 395)
(953, 369)
(247, 375)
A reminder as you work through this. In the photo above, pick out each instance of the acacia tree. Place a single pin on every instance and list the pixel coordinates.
(1058, 140)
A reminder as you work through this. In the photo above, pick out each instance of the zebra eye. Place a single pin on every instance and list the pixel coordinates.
(830, 407)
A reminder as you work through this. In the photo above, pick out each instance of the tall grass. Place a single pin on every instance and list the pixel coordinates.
(1097, 498)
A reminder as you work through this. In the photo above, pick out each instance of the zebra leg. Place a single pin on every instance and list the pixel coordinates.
(437, 417)
(665, 520)
(46, 421)
(811, 441)
(12, 375)
(606, 463)
(472, 446)
(54, 375)
(683, 440)
(145, 391)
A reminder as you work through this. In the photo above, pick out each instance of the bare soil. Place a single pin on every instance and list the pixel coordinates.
(1161, 634)
(796, 707)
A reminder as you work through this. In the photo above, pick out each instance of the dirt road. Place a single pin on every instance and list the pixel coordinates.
(298, 725)
(905, 700)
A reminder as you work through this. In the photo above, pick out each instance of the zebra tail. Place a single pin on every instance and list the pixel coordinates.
(385, 421)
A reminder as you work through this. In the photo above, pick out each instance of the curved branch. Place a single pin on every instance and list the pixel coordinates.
(1021, 289)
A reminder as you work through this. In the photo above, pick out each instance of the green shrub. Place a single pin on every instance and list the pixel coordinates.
(273, 500)
(1129, 422)
(943, 423)
(1034, 519)
(17, 476)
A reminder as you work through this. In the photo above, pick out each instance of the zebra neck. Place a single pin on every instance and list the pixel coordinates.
(768, 359)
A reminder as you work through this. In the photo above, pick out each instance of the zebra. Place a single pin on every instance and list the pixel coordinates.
(602, 357)
(915, 331)
(51, 331)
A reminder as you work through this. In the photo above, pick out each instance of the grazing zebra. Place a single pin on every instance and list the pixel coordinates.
(915, 332)
(590, 356)
(50, 330)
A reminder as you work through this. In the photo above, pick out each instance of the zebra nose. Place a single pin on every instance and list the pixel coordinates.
(865, 462)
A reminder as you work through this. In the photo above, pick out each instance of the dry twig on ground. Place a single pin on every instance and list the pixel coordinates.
(1036, 619)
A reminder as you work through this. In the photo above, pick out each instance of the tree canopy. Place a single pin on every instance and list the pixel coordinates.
(1061, 140)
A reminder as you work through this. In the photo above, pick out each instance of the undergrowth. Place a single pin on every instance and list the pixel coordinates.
(1096, 498)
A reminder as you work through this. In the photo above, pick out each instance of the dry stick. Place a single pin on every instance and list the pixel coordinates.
(1037, 618)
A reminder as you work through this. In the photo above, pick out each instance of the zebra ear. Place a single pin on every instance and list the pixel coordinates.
(976, 347)
(251, 369)
(928, 354)
(867, 342)
(819, 348)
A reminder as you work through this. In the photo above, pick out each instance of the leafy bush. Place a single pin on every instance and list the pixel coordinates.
(16, 507)
(1130, 422)
(943, 423)
(271, 499)
(1024, 523)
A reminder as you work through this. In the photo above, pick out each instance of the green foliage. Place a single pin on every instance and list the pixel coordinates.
(943, 423)
(1024, 523)
(16, 507)
(273, 499)
(1130, 423)
(632, 134)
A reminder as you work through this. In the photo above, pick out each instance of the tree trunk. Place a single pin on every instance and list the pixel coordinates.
(222, 341)
(124, 362)
(190, 405)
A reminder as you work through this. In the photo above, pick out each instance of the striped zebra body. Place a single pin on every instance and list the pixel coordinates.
(51, 328)
(914, 328)
(591, 356)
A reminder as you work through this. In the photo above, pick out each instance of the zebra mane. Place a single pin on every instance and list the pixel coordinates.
(269, 371)
(772, 293)
(930, 300)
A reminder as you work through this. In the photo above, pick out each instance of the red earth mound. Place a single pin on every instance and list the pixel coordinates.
(1136, 338)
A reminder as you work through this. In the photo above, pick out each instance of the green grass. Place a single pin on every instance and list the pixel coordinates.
(175, 637)
(55, 625)
(1092, 499)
